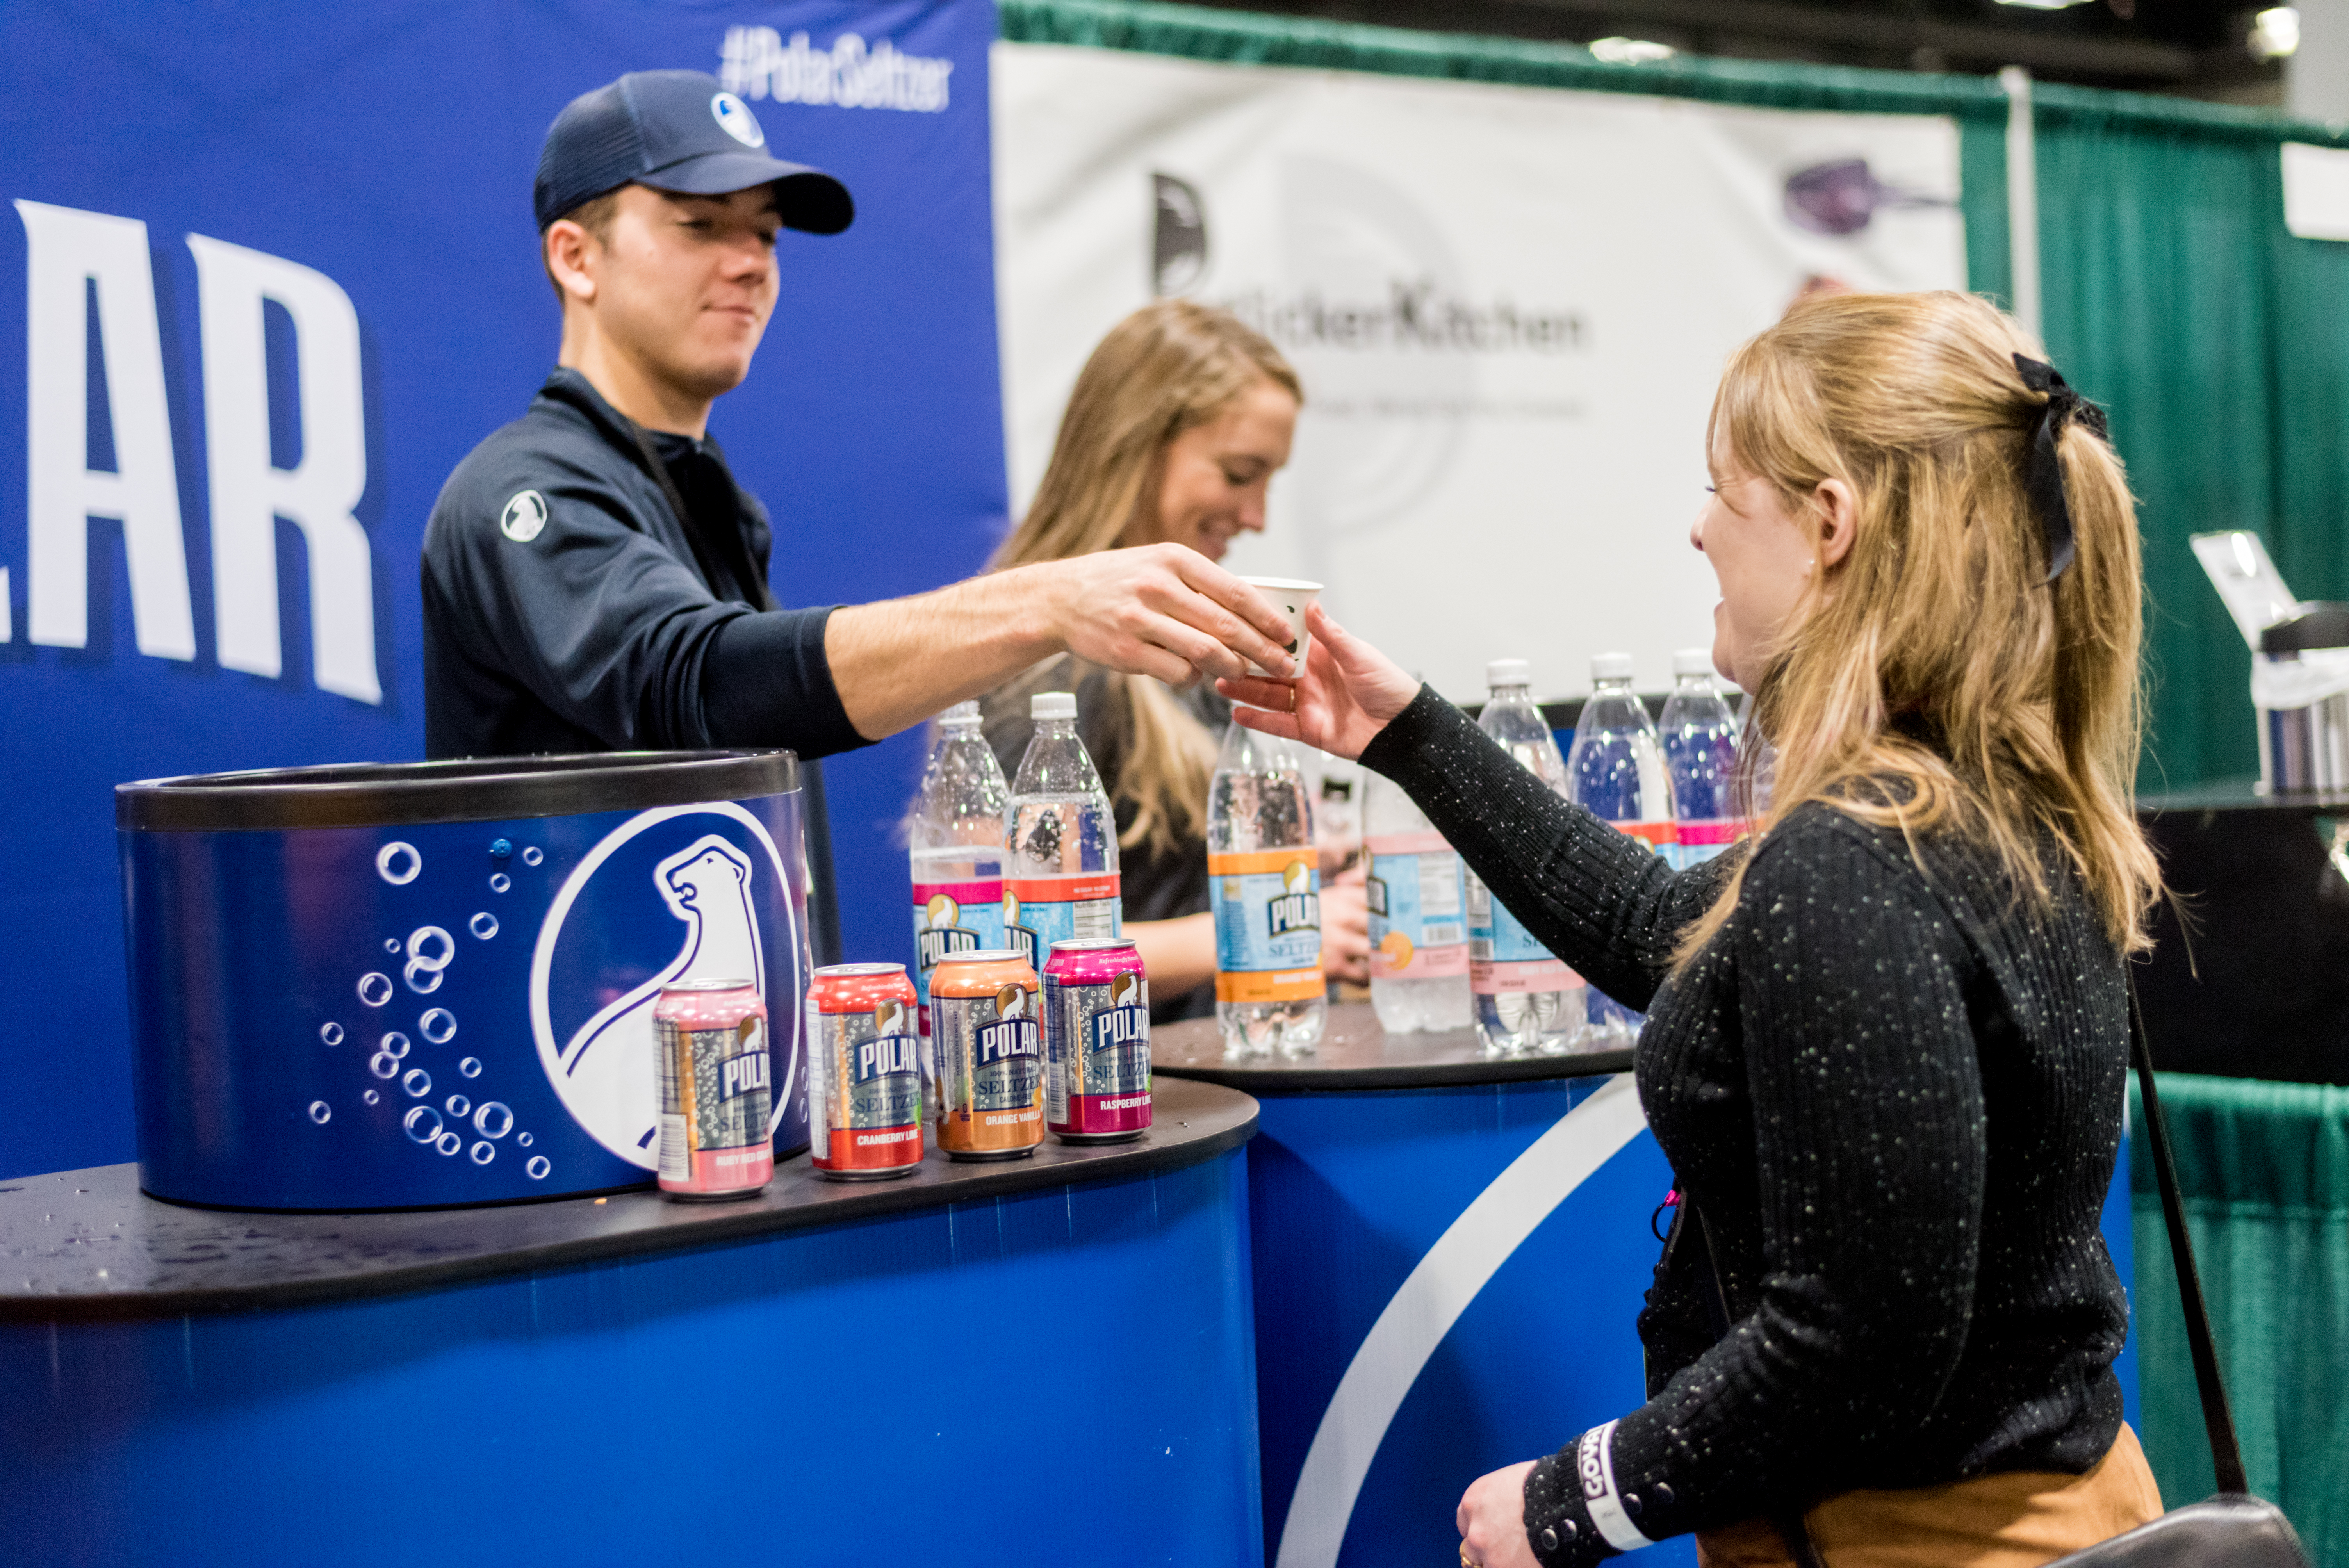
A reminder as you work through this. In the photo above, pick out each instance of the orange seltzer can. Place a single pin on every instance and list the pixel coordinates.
(865, 1072)
(986, 1027)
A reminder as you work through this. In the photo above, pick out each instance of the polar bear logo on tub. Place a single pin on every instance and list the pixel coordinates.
(609, 1061)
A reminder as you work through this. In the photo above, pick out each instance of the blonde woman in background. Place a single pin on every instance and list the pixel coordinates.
(1173, 433)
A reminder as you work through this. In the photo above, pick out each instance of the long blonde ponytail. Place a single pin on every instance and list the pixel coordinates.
(1933, 676)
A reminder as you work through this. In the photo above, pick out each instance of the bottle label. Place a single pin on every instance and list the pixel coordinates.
(952, 917)
(1504, 959)
(1267, 910)
(1418, 906)
(1040, 910)
(1660, 837)
(1701, 840)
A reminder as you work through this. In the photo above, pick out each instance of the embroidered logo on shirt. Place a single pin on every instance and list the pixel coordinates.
(524, 516)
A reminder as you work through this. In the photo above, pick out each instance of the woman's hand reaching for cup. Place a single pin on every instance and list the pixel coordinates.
(1349, 693)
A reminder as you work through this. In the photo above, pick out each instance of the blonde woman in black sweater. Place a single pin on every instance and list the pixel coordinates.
(1887, 1042)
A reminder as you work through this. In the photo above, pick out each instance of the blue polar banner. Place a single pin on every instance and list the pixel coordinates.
(279, 275)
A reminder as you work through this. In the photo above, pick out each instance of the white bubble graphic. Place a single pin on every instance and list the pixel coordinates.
(470, 1066)
(449, 1143)
(524, 1140)
(532, 856)
(423, 1124)
(384, 1065)
(499, 881)
(418, 1083)
(371, 1096)
(319, 1112)
(395, 1044)
(439, 1026)
(538, 1168)
(391, 945)
(374, 990)
(483, 926)
(458, 1105)
(398, 863)
(484, 1152)
(429, 949)
(494, 1120)
(331, 1033)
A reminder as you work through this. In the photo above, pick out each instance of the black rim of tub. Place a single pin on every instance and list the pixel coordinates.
(472, 790)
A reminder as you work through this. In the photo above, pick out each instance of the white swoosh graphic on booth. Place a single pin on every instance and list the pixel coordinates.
(1431, 1301)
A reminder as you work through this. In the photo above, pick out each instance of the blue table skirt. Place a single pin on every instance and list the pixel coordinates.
(1067, 1375)
(1447, 1281)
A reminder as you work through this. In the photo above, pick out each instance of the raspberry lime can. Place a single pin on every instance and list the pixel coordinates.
(865, 1072)
(984, 1023)
(711, 1037)
(1096, 1041)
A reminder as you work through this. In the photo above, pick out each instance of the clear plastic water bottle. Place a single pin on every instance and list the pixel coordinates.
(1418, 896)
(1264, 883)
(1699, 736)
(1763, 772)
(1060, 840)
(956, 840)
(1526, 1000)
(1617, 771)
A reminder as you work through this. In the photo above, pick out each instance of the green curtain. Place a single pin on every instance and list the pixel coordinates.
(2220, 343)
(2264, 1168)
(2171, 293)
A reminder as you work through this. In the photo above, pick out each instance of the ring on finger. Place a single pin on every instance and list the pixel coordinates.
(1467, 1561)
(1292, 699)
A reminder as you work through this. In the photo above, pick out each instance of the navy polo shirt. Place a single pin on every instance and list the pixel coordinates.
(568, 608)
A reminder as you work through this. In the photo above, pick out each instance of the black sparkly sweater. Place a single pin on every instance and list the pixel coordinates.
(1894, 1095)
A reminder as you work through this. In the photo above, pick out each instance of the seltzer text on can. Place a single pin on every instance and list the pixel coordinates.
(984, 1024)
(1096, 1041)
(716, 1093)
(865, 1072)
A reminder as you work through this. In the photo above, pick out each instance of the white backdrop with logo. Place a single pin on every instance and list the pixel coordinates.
(1510, 306)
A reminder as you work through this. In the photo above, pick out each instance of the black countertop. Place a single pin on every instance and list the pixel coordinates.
(2241, 795)
(85, 1244)
(1357, 1054)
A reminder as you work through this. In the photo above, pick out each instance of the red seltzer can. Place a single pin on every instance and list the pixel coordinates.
(715, 1092)
(1096, 1041)
(865, 1072)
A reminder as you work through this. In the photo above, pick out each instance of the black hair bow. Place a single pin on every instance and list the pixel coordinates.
(2043, 475)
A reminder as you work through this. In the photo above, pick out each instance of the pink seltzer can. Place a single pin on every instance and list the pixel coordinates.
(1096, 1041)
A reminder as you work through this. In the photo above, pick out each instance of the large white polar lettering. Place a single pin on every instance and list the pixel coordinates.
(317, 494)
(65, 251)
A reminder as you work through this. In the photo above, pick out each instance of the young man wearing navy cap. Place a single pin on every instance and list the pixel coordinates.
(594, 577)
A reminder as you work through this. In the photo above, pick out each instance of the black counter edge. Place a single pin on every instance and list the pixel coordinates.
(867, 1202)
(1436, 1075)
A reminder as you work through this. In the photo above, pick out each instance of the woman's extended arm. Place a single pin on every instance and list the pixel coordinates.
(1595, 898)
(1870, 1145)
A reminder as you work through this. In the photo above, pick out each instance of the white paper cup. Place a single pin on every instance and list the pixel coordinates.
(1291, 597)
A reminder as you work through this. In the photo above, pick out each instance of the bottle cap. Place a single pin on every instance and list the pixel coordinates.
(1693, 662)
(1611, 667)
(1508, 672)
(1052, 705)
(960, 713)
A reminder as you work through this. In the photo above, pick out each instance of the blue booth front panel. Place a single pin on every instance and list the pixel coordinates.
(1062, 1376)
(1448, 1282)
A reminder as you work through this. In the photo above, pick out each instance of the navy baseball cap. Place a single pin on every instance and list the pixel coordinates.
(681, 132)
